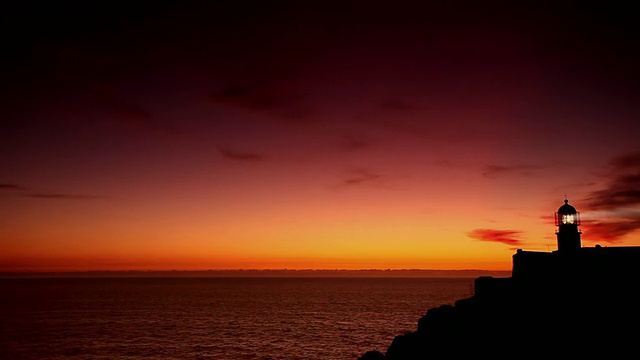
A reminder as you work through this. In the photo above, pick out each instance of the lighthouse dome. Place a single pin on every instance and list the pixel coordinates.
(566, 209)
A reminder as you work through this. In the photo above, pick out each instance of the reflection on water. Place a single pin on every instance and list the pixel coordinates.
(213, 318)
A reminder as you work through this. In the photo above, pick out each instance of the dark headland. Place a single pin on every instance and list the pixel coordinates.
(573, 301)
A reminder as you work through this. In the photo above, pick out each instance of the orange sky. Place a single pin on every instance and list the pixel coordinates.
(314, 136)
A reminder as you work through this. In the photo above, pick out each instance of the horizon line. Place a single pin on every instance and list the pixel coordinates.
(253, 272)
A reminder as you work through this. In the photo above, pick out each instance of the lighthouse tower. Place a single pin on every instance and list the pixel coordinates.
(567, 220)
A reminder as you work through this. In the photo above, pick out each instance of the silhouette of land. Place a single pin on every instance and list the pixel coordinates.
(574, 301)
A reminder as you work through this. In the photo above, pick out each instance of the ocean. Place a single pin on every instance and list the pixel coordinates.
(213, 318)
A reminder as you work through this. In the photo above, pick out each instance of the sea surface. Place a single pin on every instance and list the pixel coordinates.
(213, 318)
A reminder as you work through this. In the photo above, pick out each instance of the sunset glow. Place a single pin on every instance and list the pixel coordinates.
(313, 137)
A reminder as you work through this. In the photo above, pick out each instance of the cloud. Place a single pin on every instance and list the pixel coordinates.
(627, 161)
(492, 171)
(246, 97)
(124, 109)
(623, 190)
(359, 177)
(127, 110)
(241, 156)
(509, 237)
(399, 105)
(287, 102)
(86, 72)
(610, 231)
(11, 187)
(354, 142)
(44, 195)
(58, 196)
(623, 185)
(613, 211)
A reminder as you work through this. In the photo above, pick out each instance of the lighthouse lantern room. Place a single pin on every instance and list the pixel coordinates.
(567, 220)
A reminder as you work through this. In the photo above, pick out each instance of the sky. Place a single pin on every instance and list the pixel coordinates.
(313, 135)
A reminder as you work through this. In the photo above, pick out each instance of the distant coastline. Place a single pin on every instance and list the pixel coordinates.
(469, 273)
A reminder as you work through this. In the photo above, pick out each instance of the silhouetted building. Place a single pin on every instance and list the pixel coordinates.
(569, 268)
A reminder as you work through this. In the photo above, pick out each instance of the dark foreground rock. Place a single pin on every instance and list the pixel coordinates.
(509, 320)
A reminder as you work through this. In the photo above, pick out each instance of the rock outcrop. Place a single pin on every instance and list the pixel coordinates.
(508, 318)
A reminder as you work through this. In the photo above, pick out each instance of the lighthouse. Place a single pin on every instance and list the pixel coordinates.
(567, 220)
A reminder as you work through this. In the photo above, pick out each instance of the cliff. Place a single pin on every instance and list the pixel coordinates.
(513, 317)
